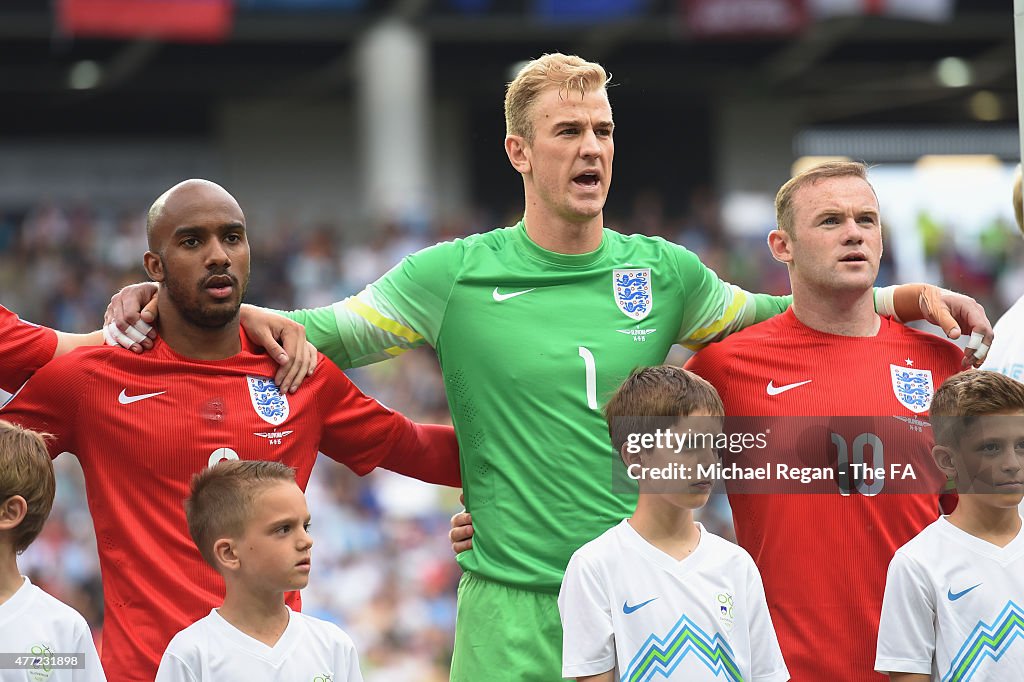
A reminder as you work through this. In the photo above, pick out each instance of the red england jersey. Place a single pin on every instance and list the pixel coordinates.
(142, 425)
(831, 401)
(24, 348)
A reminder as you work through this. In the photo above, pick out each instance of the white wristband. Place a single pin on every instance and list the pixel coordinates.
(884, 304)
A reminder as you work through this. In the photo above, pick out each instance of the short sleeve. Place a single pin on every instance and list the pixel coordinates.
(401, 310)
(906, 632)
(50, 401)
(347, 665)
(93, 670)
(713, 309)
(588, 640)
(174, 669)
(24, 348)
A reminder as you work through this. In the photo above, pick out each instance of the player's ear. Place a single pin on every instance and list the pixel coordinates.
(224, 554)
(12, 512)
(944, 460)
(630, 454)
(518, 153)
(154, 266)
(780, 244)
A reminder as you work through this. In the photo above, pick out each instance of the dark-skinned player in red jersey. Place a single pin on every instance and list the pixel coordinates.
(142, 425)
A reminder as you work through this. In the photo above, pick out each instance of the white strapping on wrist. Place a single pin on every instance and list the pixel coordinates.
(884, 302)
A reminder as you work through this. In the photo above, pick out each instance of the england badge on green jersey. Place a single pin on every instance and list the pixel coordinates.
(632, 289)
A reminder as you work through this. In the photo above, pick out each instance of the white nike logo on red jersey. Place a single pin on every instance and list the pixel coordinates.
(126, 399)
(775, 390)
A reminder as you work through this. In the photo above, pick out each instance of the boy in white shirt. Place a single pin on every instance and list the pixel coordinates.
(52, 640)
(954, 596)
(657, 596)
(250, 522)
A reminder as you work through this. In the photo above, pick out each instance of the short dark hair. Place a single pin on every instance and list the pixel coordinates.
(26, 470)
(222, 499)
(662, 391)
(964, 397)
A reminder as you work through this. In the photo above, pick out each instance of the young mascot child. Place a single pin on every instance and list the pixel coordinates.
(51, 641)
(250, 522)
(658, 596)
(954, 596)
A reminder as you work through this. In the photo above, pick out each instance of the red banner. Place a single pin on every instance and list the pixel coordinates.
(176, 20)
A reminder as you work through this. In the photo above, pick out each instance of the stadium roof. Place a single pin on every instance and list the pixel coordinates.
(852, 70)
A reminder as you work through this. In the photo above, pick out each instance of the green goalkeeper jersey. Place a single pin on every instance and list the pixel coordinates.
(531, 344)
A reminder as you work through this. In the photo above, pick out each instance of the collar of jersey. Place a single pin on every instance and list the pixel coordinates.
(1002, 555)
(660, 558)
(249, 346)
(11, 610)
(565, 260)
(275, 655)
(885, 328)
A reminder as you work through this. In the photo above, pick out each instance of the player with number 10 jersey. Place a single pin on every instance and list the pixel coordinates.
(829, 401)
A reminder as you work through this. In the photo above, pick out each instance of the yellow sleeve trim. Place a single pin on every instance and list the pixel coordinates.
(377, 320)
(697, 339)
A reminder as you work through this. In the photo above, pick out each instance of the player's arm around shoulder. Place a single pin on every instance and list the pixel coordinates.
(405, 307)
(907, 627)
(584, 605)
(67, 342)
(715, 308)
(284, 340)
(401, 310)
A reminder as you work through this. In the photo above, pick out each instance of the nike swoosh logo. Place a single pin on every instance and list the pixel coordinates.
(953, 596)
(126, 399)
(775, 390)
(627, 609)
(504, 297)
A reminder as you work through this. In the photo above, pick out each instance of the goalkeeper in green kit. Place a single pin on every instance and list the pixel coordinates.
(534, 326)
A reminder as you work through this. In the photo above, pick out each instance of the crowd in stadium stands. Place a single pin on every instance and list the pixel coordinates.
(383, 568)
